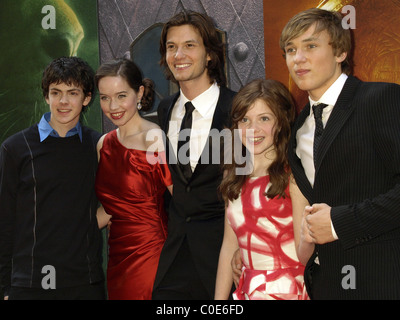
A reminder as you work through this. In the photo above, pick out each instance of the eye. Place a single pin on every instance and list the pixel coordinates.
(264, 118)
(121, 96)
(103, 98)
(244, 120)
(170, 47)
(290, 50)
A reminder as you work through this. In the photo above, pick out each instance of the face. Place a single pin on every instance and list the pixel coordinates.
(186, 55)
(311, 62)
(118, 100)
(66, 103)
(258, 128)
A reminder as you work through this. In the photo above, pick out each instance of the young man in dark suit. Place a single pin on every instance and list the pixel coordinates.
(352, 178)
(193, 56)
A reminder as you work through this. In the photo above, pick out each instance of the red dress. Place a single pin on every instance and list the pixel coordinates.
(264, 228)
(131, 190)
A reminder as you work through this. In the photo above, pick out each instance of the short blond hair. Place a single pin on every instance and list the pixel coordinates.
(330, 21)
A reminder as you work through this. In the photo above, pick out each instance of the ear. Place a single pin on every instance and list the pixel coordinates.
(87, 99)
(140, 93)
(208, 57)
(341, 57)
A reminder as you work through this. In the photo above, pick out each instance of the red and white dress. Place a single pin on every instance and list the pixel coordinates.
(264, 229)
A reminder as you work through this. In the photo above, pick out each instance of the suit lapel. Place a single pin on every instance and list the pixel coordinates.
(171, 156)
(295, 162)
(221, 114)
(340, 113)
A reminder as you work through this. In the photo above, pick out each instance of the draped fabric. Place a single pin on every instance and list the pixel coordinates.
(130, 185)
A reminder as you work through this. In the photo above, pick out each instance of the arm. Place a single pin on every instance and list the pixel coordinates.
(360, 221)
(303, 241)
(103, 219)
(224, 274)
(236, 265)
(8, 190)
(99, 146)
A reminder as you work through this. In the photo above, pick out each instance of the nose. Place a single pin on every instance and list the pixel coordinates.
(253, 126)
(64, 98)
(113, 105)
(179, 53)
(299, 56)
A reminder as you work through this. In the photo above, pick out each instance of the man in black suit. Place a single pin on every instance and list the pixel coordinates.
(193, 56)
(352, 178)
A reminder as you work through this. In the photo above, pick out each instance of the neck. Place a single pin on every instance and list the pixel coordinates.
(192, 89)
(63, 130)
(134, 126)
(262, 162)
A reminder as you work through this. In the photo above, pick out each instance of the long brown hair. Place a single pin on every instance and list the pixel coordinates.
(212, 42)
(281, 103)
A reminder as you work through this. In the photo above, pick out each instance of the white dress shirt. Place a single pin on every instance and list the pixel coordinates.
(305, 134)
(202, 117)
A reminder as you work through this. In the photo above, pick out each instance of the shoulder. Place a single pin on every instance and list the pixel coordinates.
(226, 93)
(153, 136)
(91, 133)
(166, 102)
(378, 90)
(22, 136)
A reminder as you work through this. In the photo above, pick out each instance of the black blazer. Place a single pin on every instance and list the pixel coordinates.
(358, 175)
(196, 210)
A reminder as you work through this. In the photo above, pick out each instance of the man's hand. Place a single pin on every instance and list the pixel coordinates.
(318, 220)
(236, 264)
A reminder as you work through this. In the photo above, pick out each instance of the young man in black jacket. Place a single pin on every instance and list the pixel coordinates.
(50, 244)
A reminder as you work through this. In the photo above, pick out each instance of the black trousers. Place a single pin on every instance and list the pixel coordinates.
(181, 282)
(86, 292)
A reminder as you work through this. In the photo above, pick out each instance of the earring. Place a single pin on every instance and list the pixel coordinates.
(139, 106)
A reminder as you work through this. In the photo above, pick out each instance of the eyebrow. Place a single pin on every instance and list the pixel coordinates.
(69, 90)
(310, 39)
(104, 94)
(187, 41)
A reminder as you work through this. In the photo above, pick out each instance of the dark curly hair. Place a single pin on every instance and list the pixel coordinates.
(69, 70)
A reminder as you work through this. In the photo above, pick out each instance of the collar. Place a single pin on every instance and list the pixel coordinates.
(45, 129)
(332, 94)
(204, 102)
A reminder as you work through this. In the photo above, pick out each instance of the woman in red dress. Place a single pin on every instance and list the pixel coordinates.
(131, 180)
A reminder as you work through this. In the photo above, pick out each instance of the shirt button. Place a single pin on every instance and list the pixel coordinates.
(188, 219)
(188, 188)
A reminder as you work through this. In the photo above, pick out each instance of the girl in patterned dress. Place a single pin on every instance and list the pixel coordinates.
(259, 205)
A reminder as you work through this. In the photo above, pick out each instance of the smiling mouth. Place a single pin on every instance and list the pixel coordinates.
(117, 115)
(63, 110)
(256, 140)
(182, 66)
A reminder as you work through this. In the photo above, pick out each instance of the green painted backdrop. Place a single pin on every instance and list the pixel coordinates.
(27, 47)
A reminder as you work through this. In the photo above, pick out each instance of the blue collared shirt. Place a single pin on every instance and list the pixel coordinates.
(45, 129)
